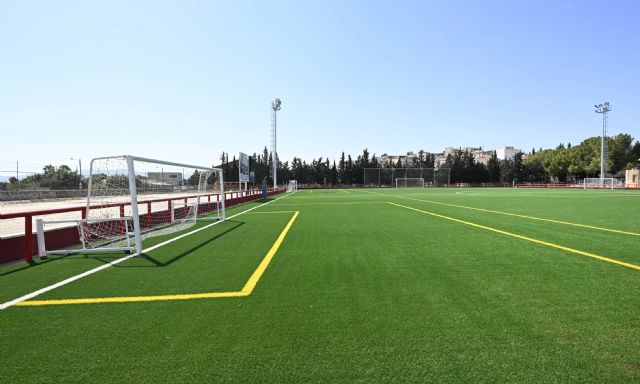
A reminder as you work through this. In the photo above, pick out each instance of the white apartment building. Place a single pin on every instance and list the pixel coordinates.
(507, 153)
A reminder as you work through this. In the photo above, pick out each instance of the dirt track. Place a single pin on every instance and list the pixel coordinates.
(12, 227)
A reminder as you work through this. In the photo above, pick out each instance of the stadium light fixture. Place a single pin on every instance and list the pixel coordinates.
(604, 109)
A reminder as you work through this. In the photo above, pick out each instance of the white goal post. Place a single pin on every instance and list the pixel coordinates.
(409, 182)
(596, 182)
(131, 198)
(292, 186)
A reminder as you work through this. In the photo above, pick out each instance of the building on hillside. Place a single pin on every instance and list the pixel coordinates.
(439, 160)
(167, 178)
(481, 156)
(404, 160)
(390, 160)
(450, 151)
(632, 177)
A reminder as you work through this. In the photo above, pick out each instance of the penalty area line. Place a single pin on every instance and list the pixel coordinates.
(246, 290)
(619, 231)
(71, 279)
(593, 227)
(521, 237)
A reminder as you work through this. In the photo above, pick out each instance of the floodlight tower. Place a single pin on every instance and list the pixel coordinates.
(276, 105)
(604, 109)
(79, 170)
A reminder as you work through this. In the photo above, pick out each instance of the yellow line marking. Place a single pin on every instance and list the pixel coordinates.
(246, 290)
(334, 203)
(552, 245)
(129, 299)
(518, 215)
(528, 217)
(255, 277)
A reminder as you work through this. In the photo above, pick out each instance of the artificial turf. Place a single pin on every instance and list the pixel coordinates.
(360, 290)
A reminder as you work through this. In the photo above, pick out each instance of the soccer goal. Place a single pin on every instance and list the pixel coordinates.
(409, 182)
(596, 182)
(293, 186)
(386, 177)
(132, 198)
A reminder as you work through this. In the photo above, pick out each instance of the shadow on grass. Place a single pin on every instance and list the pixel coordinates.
(158, 263)
(107, 258)
(61, 257)
(29, 265)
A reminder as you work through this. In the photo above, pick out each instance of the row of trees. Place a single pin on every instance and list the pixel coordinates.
(319, 171)
(565, 163)
(52, 177)
(569, 163)
(62, 177)
(465, 169)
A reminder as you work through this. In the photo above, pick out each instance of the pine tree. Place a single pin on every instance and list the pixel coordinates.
(493, 168)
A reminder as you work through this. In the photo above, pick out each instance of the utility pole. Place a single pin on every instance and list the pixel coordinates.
(79, 170)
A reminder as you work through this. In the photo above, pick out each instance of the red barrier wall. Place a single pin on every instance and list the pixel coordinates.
(20, 247)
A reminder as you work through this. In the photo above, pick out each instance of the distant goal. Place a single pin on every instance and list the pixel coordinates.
(386, 177)
(410, 182)
(601, 183)
(132, 198)
(292, 186)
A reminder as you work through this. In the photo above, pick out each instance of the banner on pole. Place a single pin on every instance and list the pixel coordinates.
(252, 169)
(244, 168)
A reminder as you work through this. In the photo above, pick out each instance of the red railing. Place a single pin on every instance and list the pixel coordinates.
(8, 245)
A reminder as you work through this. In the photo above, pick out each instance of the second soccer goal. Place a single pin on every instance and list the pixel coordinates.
(409, 182)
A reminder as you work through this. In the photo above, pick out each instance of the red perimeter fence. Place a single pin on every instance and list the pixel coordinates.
(24, 247)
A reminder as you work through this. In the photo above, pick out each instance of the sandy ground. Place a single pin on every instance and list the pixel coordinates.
(12, 227)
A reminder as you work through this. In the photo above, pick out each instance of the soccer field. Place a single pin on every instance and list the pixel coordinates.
(382, 285)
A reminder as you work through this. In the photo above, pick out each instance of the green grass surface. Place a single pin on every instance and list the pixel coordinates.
(359, 291)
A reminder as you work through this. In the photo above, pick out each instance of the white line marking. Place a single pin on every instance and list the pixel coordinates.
(125, 258)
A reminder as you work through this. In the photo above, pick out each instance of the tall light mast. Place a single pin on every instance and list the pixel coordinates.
(604, 109)
(276, 105)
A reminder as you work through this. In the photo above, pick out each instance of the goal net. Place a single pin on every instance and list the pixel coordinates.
(293, 186)
(409, 182)
(386, 177)
(130, 199)
(607, 182)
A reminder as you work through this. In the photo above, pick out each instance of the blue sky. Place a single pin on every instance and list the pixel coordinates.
(185, 80)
